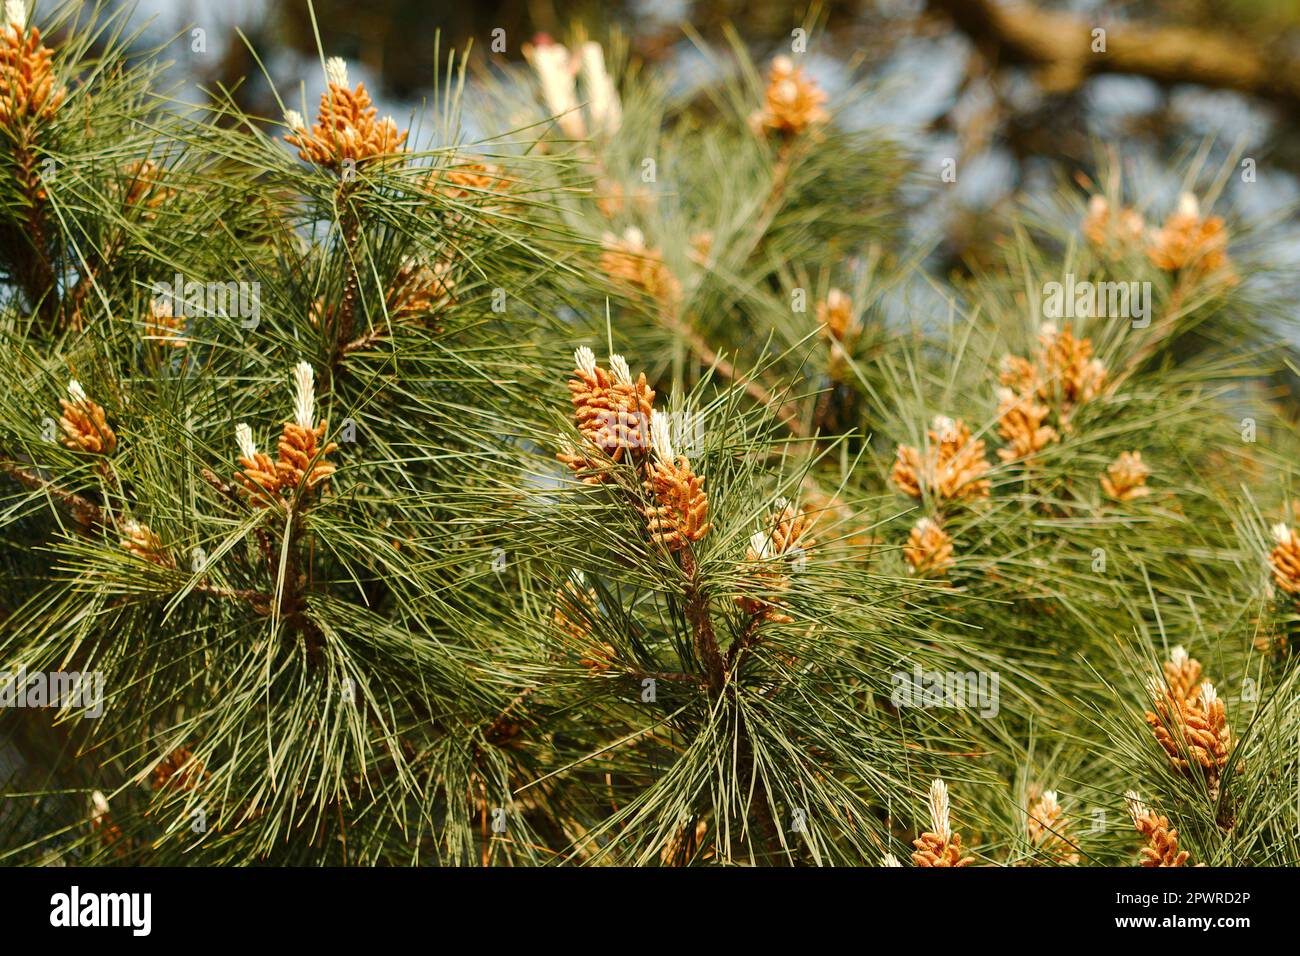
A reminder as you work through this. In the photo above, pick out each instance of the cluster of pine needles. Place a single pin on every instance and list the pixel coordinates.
(617, 486)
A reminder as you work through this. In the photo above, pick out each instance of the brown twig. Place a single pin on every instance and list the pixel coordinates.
(747, 639)
(35, 273)
(90, 270)
(753, 388)
(674, 677)
(705, 353)
(701, 621)
(345, 317)
(706, 645)
(86, 513)
(260, 601)
(364, 341)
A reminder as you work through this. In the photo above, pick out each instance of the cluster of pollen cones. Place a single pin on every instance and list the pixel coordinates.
(301, 465)
(618, 423)
(84, 425)
(939, 846)
(1037, 397)
(28, 88)
(792, 103)
(347, 129)
(785, 540)
(1189, 720)
(1162, 840)
(1187, 242)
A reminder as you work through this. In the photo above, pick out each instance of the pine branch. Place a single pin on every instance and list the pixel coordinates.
(88, 515)
(1060, 46)
(699, 615)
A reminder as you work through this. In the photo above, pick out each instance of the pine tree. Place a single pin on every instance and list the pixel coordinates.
(574, 493)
